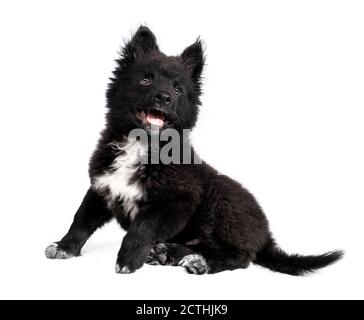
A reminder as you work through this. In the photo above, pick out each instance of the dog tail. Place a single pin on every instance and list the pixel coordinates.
(275, 259)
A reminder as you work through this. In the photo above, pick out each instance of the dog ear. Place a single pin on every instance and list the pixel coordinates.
(143, 42)
(194, 59)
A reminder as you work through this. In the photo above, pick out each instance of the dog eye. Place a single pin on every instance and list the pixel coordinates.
(145, 81)
(178, 90)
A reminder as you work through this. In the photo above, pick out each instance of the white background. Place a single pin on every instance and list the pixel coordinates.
(282, 113)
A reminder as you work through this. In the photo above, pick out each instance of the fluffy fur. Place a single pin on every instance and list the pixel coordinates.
(178, 214)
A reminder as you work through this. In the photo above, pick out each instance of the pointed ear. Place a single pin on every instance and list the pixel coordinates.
(143, 42)
(194, 60)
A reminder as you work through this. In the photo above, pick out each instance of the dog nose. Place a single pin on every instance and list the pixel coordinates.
(163, 98)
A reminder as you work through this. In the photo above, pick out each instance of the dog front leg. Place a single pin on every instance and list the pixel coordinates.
(151, 226)
(92, 214)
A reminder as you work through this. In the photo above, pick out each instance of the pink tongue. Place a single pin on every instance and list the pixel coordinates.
(155, 121)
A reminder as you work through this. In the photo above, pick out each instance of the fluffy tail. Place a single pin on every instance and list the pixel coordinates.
(275, 259)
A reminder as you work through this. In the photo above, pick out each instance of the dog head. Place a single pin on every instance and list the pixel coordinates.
(150, 88)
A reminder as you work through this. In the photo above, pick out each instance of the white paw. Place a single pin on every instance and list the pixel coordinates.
(53, 252)
(124, 269)
(194, 263)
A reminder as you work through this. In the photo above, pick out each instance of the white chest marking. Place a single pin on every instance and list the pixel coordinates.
(116, 183)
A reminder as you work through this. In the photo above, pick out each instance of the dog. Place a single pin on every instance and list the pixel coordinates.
(177, 214)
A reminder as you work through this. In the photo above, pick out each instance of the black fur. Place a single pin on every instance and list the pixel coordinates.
(207, 222)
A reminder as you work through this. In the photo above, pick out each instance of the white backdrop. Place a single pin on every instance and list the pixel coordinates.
(282, 113)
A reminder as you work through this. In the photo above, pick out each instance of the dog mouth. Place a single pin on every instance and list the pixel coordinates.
(152, 117)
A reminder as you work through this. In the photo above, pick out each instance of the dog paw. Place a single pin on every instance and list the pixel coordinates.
(194, 263)
(165, 254)
(158, 255)
(53, 251)
(124, 269)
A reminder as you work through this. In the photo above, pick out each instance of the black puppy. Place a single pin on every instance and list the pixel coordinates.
(175, 214)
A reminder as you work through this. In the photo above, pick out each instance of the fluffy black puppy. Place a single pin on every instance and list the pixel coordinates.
(175, 214)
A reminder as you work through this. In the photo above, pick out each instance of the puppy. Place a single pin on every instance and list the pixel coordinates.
(181, 213)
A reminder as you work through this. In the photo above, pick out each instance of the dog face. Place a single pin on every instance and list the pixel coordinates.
(152, 89)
